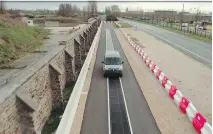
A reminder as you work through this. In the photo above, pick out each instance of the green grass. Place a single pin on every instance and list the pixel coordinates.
(16, 40)
(176, 24)
(54, 120)
(125, 25)
(205, 39)
(134, 40)
(114, 25)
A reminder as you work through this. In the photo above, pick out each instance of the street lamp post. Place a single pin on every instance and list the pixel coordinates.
(196, 18)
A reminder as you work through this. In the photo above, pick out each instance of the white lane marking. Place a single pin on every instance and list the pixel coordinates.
(208, 50)
(106, 40)
(130, 125)
(109, 43)
(109, 125)
(180, 46)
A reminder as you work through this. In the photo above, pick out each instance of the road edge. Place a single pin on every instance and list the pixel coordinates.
(198, 121)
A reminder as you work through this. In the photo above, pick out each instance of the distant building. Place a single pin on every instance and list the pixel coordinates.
(149, 15)
(133, 13)
(165, 15)
(194, 17)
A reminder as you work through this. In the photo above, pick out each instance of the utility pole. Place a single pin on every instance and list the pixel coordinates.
(182, 18)
(196, 20)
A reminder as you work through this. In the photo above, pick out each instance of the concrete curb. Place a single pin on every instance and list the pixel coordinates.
(199, 122)
(69, 114)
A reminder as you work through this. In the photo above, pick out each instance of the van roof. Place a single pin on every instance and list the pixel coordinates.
(112, 54)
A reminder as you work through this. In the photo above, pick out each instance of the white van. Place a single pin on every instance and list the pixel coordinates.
(112, 64)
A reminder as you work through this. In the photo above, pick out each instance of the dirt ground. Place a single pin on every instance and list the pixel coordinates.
(192, 78)
(168, 118)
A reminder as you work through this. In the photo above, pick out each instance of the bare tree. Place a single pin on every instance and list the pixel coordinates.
(61, 10)
(107, 11)
(196, 19)
(68, 10)
(2, 7)
(85, 14)
(115, 10)
(92, 9)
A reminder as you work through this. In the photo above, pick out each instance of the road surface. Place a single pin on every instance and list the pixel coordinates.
(96, 116)
(196, 49)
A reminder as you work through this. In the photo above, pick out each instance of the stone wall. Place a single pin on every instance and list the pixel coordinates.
(27, 100)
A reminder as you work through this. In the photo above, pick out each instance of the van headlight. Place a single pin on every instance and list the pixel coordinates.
(121, 68)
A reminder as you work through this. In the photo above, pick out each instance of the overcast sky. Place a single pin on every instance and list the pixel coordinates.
(146, 6)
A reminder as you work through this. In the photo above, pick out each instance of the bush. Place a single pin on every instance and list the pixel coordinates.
(111, 18)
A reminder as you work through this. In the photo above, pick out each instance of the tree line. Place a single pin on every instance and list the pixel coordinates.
(68, 10)
(65, 10)
(112, 12)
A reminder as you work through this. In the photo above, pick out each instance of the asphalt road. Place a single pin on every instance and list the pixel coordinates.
(196, 49)
(95, 116)
(191, 28)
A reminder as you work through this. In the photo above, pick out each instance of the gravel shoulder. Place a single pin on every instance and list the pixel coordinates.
(168, 118)
(191, 77)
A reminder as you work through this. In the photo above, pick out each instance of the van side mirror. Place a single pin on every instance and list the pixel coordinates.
(122, 62)
(102, 62)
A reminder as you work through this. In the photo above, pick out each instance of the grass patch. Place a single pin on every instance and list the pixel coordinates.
(114, 25)
(56, 114)
(16, 40)
(53, 121)
(205, 39)
(125, 25)
(134, 40)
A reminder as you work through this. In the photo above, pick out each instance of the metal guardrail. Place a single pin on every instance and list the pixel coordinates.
(66, 122)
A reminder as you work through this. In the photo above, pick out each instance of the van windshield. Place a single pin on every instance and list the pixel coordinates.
(112, 61)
